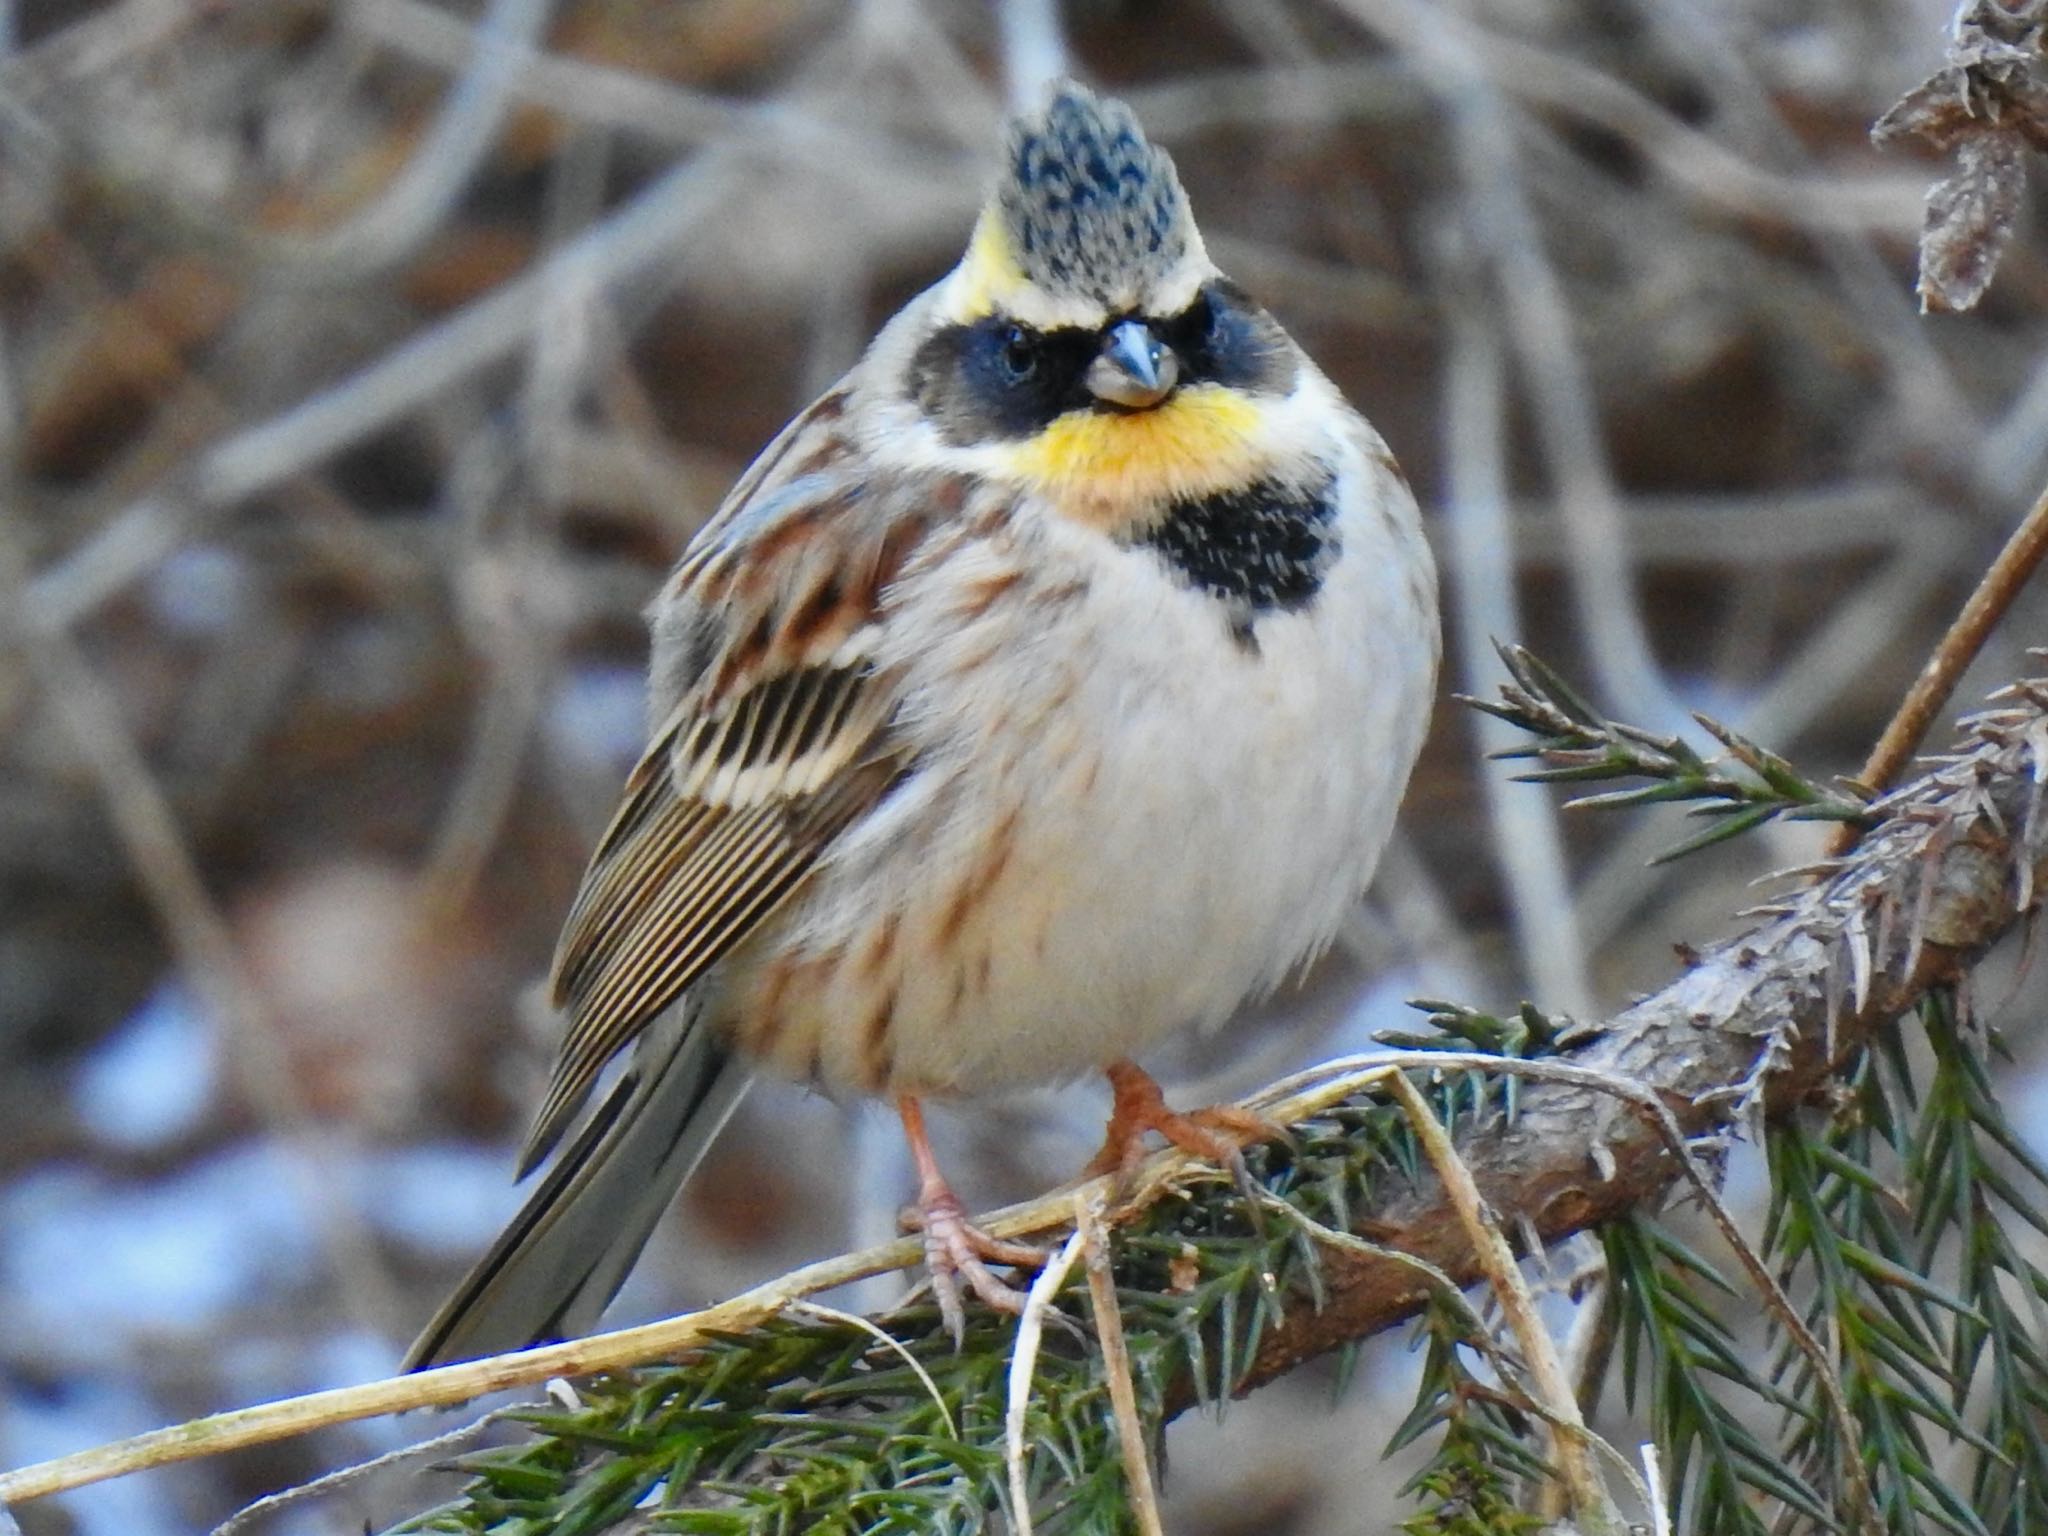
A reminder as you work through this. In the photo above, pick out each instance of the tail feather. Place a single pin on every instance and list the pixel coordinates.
(557, 1264)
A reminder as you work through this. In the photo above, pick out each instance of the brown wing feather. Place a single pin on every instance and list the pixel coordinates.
(778, 741)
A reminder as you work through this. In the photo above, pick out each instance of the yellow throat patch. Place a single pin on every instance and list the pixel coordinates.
(1111, 468)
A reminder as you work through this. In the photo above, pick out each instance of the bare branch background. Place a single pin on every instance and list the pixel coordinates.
(364, 363)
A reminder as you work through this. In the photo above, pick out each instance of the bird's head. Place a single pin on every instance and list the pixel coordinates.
(1087, 332)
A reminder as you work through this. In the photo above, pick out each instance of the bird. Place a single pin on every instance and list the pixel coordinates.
(1047, 687)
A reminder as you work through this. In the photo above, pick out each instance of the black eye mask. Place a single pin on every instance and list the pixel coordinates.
(996, 380)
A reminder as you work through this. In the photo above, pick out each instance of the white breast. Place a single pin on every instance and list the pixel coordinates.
(1124, 820)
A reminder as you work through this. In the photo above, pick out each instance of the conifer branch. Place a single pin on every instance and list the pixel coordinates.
(803, 1412)
(1756, 1026)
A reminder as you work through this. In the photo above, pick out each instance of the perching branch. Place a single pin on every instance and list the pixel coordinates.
(1754, 1027)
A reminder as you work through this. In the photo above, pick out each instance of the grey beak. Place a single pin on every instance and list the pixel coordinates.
(1135, 369)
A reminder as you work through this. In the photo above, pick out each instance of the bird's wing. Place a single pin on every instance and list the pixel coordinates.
(778, 739)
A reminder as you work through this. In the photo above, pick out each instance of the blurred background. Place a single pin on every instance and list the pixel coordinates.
(365, 363)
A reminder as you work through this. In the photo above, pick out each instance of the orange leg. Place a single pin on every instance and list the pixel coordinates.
(1218, 1133)
(954, 1248)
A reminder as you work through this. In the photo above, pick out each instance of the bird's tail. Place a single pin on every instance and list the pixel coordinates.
(562, 1258)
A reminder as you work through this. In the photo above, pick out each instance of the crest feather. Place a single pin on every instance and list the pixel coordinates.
(1092, 208)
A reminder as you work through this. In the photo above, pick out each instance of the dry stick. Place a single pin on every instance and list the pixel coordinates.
(1590, 1500)
(450, 1384)
(249, 1515)
(460, 1383)
(1482, 1338)
(888, 1341)
(1653, 1476)
(1116, 1364)
(1506, 235)
(1995, 592)
(1024, 1365)
(1659, 1116)
(1295, 1100)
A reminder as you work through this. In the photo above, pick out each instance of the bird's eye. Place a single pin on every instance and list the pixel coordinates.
(1018, 356)
(1206, 333)
(1222, 326)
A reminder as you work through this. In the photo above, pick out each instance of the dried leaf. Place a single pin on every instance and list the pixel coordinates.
(1969, 220)
(1987, 105)
(1937, 110)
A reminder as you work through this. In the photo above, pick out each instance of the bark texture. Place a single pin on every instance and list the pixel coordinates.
(1755, 1026)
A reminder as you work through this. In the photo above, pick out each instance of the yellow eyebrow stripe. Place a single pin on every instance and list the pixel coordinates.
(988, 278)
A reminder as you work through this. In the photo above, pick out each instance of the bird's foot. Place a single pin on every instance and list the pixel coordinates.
(955, 1249)
(1219, 1132)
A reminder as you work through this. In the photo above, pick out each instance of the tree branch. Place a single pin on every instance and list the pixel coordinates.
(1755, 1026)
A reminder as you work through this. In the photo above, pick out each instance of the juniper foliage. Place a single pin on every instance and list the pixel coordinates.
(815, 1425)
(1905, 1220)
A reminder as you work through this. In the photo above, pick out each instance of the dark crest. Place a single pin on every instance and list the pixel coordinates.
(1091, 206)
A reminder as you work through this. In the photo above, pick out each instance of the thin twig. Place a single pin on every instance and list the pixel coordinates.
(1482, 1337)
(1034, 49)
(1446, 1288)
(1487, 133)
(514, 646)
(656, 231)
(1116, 1365)
(1653, 1479)
(274, 1503)
(1590, 1501)
(1024, 1365)
(444, 160)
(818, 1309)
(1995, 591)
(1659, 1115)
(1589, 1347)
